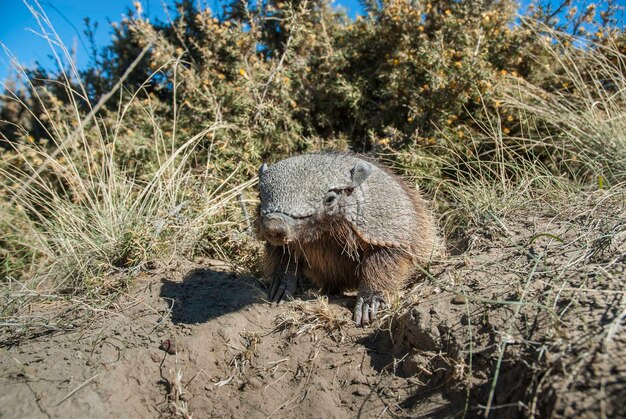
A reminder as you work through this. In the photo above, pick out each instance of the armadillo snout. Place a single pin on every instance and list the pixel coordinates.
(275, 228)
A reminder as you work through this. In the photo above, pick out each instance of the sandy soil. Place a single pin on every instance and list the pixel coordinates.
(457, 343)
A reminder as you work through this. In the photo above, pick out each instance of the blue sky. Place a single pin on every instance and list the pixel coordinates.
(17, 24)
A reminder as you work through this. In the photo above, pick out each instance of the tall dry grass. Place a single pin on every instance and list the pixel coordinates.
(74, 215)
(581, 124)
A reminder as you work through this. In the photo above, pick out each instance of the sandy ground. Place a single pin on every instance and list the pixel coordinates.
(457, 343)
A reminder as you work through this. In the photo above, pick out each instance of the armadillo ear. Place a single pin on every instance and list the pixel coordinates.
(360, 172)
(262, 169)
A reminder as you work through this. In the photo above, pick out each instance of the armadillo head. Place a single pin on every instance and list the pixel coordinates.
(302, 195)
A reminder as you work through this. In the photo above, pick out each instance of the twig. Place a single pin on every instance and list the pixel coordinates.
(246, 215)
(71, 393)
(503, 342)
(279, 66)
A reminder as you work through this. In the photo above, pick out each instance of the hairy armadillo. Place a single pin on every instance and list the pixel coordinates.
(343, 222)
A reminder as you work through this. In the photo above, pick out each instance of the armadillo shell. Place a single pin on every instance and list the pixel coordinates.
(384, 214)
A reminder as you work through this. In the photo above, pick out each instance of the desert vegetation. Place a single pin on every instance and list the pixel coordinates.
(513, 125)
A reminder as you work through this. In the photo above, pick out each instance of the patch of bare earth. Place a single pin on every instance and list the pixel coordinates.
(527, 319)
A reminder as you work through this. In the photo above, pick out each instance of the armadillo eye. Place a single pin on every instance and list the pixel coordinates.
(330, 198)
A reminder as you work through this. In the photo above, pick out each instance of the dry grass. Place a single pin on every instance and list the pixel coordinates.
(307, 317)
(79, 218)
(176, 397)
(581, 125)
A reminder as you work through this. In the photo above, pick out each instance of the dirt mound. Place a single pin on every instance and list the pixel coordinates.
(526, 320)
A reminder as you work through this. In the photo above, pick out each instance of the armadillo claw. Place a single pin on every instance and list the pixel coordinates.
(367, 308)
(283, 287)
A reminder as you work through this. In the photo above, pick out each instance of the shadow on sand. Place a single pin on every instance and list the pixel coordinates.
(205, 294)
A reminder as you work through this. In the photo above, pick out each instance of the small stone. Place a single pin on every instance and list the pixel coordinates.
(169, 346)
(459, 299)
(155, 357)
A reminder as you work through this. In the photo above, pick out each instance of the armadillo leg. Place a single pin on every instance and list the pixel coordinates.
(281, 270)
(367, 308)
(381, 272)
(283, 287)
